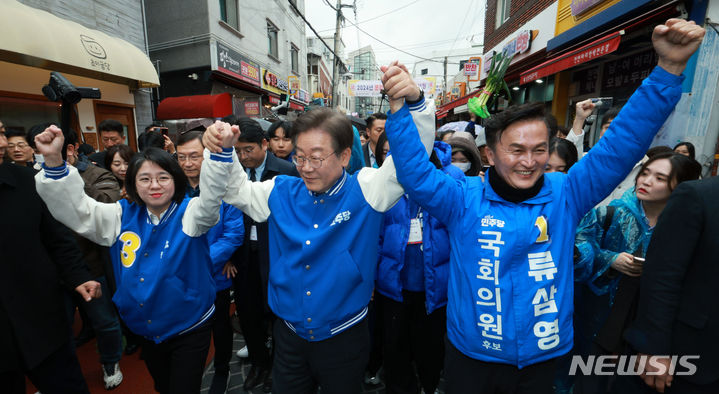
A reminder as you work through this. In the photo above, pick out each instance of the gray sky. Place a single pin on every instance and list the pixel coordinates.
(418, 27)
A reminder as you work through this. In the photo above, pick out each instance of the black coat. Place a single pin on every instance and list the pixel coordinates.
(365, 152)
(678, 310)
(273, 166)
(36, 253)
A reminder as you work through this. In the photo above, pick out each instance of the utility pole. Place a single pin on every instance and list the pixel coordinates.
(444, 95)
(335, 73)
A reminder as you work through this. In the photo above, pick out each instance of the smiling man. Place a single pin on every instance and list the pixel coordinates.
(509, 313)
(324, 235)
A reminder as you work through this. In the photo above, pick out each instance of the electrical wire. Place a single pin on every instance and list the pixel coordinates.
(378, 16)
(466, 14)
(313, 29)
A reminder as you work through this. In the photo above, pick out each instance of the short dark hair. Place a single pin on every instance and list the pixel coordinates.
(610, 115)
(15, 132)
(655, 150)
(125, 152)
(86, 149)
(150, 139)
(286, 127)
(189, 136)
(330, 121)
(565, 150)
(690, 148)
(232, 119)
(70, 135)
(166, 162)
(373, 117)
(497, 123)
(111, 125)
(154, 124)
(250, 130)
(683, 168)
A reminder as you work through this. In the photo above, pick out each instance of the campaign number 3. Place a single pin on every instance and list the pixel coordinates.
(541, 224)
(130, 244)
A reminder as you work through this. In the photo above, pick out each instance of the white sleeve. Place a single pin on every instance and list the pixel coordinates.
(379, 186)
(203, 212)
(578, 141)
(247, 196)
(62, 189)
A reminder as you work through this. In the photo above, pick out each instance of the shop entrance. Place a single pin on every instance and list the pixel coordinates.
(122, 113)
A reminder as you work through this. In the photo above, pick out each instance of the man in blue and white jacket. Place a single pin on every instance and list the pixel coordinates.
(509, 313)
(323, 245)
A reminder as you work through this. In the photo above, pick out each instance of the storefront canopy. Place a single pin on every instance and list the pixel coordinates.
(200, 106)
(591, 51)
(37, 38)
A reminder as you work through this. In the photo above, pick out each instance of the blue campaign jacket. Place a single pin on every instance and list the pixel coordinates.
(435, 246)
(315, 252)
(511, 270)
(164, 277)
(224, 238)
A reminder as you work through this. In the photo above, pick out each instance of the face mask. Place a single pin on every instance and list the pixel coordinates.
(39, 158)
(463, 166)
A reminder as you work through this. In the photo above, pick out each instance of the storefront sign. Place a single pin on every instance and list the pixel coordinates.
(519, 44)
(294, 83)
(252, 108)
(587, 53)
(627, 73)
(471, 69)
(236, 65)
(274, 83)
(581, 6)
(297, 107)
(427, 84)
(303, 96)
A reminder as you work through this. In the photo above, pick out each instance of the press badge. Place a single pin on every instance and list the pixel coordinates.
(415, 232)
(253, 233)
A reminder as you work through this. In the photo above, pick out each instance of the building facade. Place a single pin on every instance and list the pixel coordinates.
(252, 50)
(93, 44)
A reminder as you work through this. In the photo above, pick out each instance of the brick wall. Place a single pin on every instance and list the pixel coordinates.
(520, 12)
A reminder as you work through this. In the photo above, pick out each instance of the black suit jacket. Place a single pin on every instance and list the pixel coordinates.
(365, 152)
(36, 253)
(678, 303)
(274, 166)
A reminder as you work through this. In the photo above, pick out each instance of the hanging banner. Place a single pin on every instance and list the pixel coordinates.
(294, 83)
(365, 88)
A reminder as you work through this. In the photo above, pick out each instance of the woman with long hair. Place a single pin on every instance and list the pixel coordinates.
(610, 245)
(158, 246)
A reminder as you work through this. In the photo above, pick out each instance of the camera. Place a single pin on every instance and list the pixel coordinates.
(60, 89)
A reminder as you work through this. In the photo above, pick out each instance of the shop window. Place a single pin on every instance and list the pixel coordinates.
(272, 31)
(229, 13)
(503, 7)
(294, 58)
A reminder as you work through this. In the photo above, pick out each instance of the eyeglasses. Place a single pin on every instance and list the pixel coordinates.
(246, 150)
(20, 145)
(192, 158)
(299, 162)
(162, 180)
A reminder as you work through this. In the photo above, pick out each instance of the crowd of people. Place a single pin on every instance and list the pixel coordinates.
(402, 258)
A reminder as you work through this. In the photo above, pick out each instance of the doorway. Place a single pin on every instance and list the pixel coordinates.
(123, 113)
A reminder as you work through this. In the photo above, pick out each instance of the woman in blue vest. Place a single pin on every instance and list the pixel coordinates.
(411, 285)
(159, 250)
(611, 241)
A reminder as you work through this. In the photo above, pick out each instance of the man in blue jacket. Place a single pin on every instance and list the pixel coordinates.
(411, 289)
(323, 237)
(224, 238)
(509, 313)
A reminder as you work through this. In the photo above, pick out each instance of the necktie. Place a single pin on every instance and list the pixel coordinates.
(253, 174)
